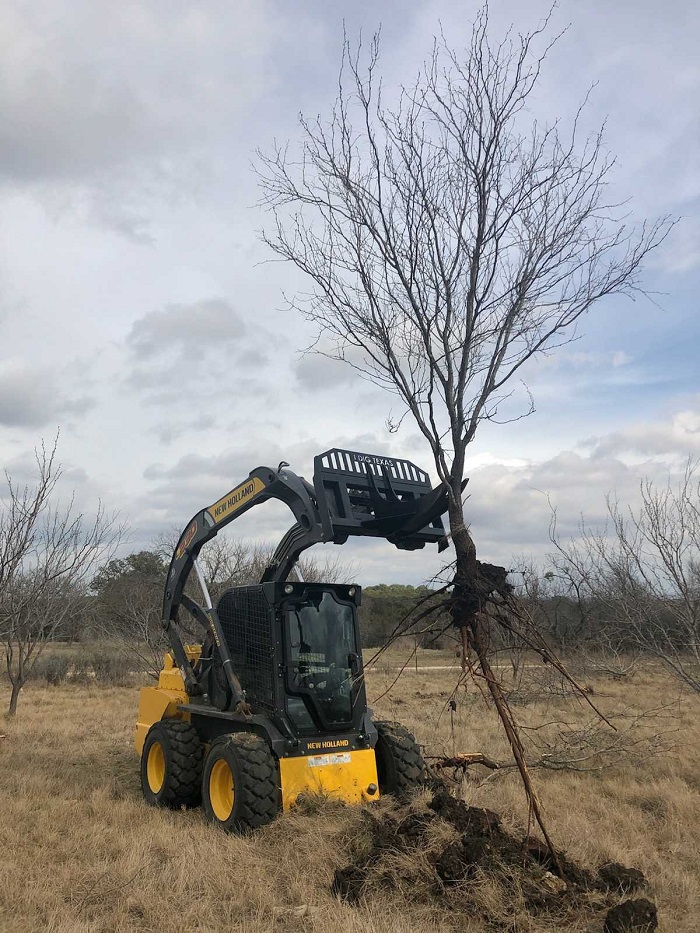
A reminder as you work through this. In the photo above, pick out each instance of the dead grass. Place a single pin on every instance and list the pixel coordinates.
(80, 851)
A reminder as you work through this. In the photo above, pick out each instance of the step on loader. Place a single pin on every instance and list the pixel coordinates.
(271, 703)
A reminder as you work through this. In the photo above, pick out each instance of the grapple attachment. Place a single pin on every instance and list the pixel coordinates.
(365, 494)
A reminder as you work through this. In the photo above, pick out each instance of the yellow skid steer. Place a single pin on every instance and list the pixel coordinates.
(271, 704)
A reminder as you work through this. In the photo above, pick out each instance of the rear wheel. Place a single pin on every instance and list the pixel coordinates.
(171, 764)
(400, 766)
(240, 784)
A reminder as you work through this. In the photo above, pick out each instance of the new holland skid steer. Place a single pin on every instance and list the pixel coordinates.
(271, 704)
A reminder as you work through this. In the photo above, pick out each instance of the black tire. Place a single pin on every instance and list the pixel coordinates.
(240, 783)
(171, 765)
(400, 766)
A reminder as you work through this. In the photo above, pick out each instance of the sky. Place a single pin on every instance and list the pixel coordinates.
(142, 317)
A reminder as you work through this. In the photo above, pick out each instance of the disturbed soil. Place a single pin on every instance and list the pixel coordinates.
(462, 846)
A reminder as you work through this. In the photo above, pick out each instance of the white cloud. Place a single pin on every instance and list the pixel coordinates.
(31, 398)
(620, 358)
(211, 326)
(201, 353)
(94, 85)
(316, 372)
(677, 437)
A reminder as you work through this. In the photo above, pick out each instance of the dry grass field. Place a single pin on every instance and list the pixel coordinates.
(80, 851)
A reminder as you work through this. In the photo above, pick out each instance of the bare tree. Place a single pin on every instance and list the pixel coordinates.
(448, 239)
(445, 246)
(558, 598)
(48, 552)
(641, 574)
(228, 561)
(134, 600)
(233, 562)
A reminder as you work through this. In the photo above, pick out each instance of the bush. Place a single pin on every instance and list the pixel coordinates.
(111, 669)
(51, 670)
(85, 667)
(102, 668)
(81, 668)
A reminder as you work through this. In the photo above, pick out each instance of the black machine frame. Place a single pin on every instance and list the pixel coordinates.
(352, 493)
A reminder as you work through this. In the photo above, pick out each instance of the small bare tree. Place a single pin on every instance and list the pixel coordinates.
(641, 575)
(228, 561)
(449, 239)
(244, 562)
(48, 552)
(225, 562)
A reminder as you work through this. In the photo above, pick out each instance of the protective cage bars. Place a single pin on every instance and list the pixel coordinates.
(245, 620)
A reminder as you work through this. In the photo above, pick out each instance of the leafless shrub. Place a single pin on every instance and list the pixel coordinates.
(48, 553)
(591, 747)
(51, 670)
(639, 578)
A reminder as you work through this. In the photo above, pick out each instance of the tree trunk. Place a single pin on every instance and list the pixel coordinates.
(465, 606)
(14, 696)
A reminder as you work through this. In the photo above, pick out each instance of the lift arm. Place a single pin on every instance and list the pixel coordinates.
(352, 494)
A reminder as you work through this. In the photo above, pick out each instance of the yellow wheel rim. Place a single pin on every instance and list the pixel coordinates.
(221, 793)
(155, 767)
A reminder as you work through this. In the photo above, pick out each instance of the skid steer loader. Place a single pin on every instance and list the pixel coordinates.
(271, 704)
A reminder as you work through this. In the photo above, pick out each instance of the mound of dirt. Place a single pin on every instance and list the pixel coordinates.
(639, 916)
(460, 859)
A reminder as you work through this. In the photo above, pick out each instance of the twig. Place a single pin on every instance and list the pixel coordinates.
(92, 894)
(463, 761)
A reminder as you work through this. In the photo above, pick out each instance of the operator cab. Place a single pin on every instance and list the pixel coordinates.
(296, 651)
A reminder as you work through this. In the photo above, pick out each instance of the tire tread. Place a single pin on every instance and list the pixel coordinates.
(184, 754)
(409, 769)
(258, 792)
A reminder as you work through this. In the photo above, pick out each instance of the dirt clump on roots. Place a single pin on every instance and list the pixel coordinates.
(638, 915)
(459, 861)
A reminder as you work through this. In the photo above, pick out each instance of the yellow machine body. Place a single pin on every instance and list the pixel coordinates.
(161, 702)
(333, 773)
(342, 776)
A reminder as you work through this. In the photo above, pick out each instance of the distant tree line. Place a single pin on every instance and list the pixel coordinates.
(401, 612)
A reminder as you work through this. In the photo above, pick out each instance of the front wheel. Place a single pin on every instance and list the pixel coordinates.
(400, 766)
(240, 784)
(171, 764)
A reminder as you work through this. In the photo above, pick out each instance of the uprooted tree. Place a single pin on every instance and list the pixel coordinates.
(449, 239)
(48, 552)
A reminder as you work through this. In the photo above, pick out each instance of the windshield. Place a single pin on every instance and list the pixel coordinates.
(321, 638)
